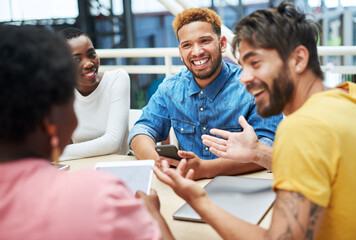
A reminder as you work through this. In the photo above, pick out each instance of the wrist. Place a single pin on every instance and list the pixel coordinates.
(262, 155)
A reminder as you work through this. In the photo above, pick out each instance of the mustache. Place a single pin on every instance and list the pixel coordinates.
(254, 85)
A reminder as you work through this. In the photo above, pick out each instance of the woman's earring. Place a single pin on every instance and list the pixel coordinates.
(52, 131)
(297, 69)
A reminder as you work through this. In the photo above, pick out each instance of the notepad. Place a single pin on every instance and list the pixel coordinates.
(137, 175)
(246, 198)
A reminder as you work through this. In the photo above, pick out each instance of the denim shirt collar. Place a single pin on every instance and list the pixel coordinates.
(212, 90)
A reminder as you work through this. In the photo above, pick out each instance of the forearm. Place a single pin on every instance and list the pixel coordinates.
(227, 225)
(263, 156)
(227, 167)
(144, 147)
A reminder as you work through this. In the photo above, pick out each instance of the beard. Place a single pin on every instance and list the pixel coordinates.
(280, 94)
(210, 71)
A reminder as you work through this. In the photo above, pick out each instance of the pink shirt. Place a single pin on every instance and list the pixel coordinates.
(39, 202)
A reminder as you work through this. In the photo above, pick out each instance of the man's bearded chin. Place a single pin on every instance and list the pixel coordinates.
(282, 89)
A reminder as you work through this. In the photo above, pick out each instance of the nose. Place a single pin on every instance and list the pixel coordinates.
(246, 76)
(88, 64)
(197, 50)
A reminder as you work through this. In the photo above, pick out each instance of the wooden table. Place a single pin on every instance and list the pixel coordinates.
(170, 202)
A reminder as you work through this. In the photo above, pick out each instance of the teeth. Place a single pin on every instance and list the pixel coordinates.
(90, 74)
(258, 91)
(200, 62)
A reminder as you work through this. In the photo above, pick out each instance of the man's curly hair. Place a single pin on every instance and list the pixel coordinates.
(197, 14)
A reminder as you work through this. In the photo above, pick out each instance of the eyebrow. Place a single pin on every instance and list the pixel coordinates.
(202, 37)
(245, 57)
(91, 49)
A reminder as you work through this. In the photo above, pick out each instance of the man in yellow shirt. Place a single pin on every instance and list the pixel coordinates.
(314, 152)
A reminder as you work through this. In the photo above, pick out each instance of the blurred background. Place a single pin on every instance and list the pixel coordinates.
(122, 24)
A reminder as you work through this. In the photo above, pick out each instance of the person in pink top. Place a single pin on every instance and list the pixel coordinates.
(37, 80)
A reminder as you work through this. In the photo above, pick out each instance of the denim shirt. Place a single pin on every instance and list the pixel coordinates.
(180, 103)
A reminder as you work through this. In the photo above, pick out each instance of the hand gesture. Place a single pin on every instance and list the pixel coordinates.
(192, 162)
(182, 184)
(239, 146)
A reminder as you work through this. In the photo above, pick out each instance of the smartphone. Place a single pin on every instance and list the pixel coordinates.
(61, 166)
(170, 151)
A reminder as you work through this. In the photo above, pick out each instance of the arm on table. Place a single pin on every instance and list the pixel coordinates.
(294, 217)
(211, 168)
(144, 147)
(116, 125)
(243, 147)
(153, 206)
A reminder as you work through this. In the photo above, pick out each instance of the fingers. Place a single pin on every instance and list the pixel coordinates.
(162, 176)
(153, 191)
(171, 161)
(219, 153)
(219, 132)
(185, 154)
(181, 166)
(190, 174)
(212, 139)
(140, 194)
(220, 146)
(244, 124)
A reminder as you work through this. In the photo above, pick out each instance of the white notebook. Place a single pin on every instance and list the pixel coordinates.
(246, 198)
(137, 175)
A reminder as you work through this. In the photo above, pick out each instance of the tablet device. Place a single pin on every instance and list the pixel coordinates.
(137, 175)
(246, 198)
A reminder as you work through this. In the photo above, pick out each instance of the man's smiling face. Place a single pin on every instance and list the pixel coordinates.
(201, 50)
(266, 77)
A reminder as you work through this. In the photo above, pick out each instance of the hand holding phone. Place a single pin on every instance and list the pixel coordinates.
(169, 151)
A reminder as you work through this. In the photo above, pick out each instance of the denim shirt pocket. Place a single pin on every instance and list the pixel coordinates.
(232, 129)
(185, 132)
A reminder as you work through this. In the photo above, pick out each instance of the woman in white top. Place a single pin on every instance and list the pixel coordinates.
(102, 103)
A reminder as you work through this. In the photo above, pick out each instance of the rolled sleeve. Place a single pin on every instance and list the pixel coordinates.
(141, 129)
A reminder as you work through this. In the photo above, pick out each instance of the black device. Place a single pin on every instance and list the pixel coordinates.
(169, 151)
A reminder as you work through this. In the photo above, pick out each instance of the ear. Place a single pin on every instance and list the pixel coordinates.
(48, 123)
(299, 59)
(223, 43)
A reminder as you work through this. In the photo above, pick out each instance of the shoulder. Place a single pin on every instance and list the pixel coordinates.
(116, 75)
(176, 81)
(116, 79)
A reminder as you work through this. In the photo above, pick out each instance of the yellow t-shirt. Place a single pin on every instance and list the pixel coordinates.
(315, 154)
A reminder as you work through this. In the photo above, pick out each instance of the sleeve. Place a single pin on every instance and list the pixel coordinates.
(117, 213)
(305, 158)
(155, 120)
(117, 124)
(265, 128)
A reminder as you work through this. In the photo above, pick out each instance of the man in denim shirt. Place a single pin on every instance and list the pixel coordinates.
(205, 95)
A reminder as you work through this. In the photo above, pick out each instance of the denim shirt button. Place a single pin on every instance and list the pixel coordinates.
(201, 109)
(206, 148)
(201, 92)
(181, 129)
(204, 128)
